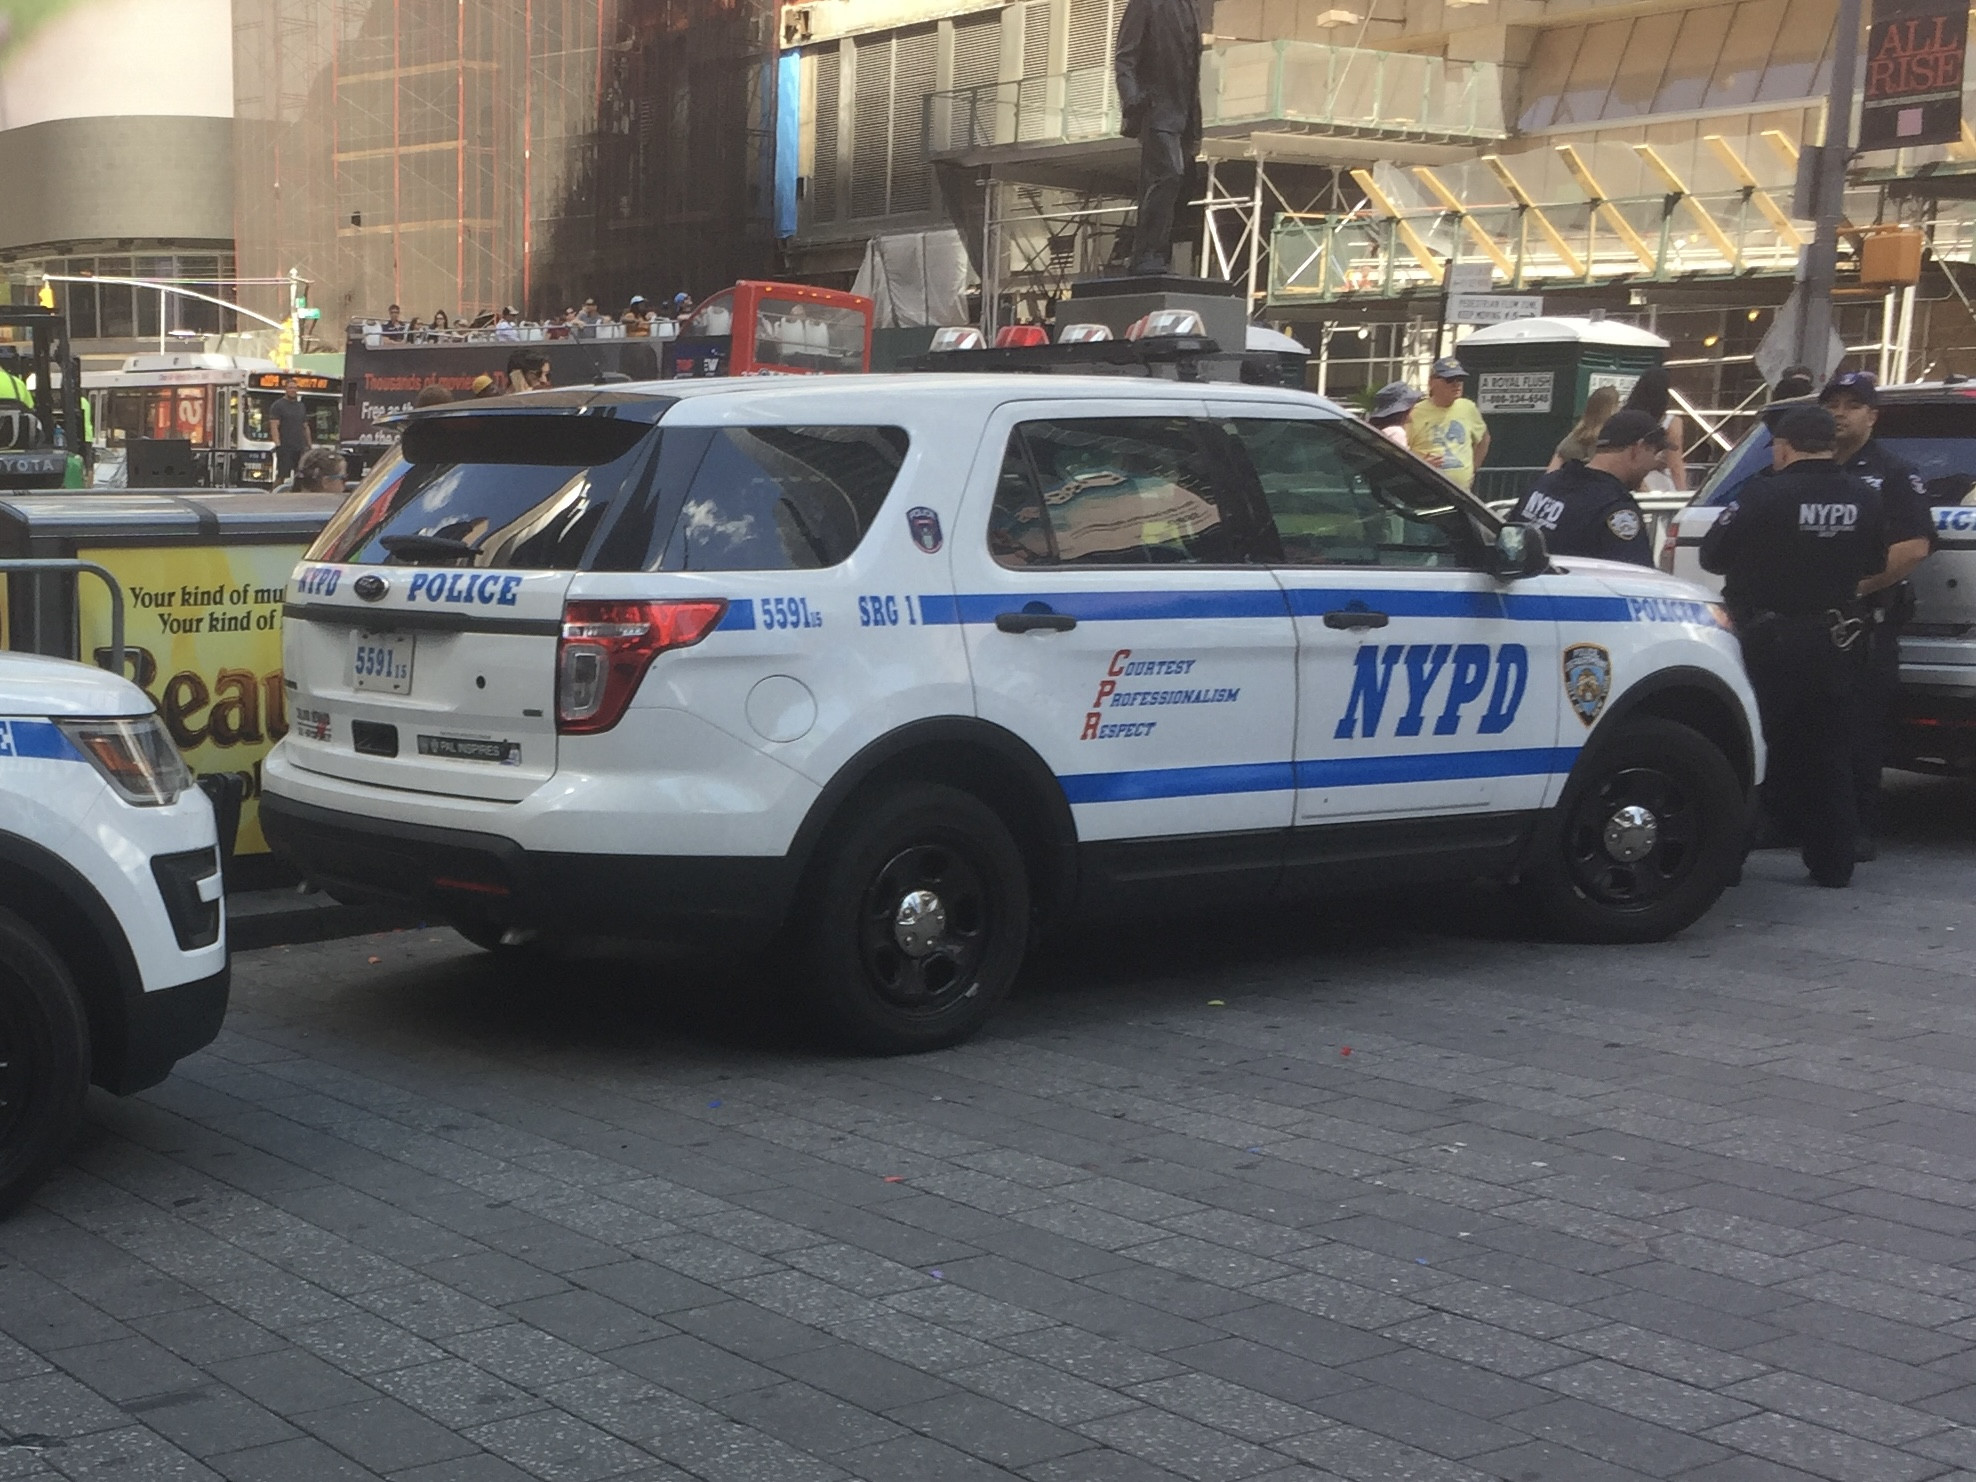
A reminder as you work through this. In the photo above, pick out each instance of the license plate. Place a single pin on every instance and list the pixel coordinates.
(382, 661)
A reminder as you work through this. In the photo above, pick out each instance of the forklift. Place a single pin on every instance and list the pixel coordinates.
(41, 433)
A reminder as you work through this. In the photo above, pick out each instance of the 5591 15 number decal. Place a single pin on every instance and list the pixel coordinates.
(789, 612)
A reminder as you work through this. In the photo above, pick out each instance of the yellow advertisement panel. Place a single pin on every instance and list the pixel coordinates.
(202, 630)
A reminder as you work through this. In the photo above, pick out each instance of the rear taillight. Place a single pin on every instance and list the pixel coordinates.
(606, 648)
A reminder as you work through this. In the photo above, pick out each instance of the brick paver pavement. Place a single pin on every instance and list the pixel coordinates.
(1377, 1195)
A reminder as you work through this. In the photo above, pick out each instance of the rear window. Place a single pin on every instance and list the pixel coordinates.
(1938, 439)
(519, 492)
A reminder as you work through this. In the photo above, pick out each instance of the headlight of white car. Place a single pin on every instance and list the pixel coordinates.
(135, 755)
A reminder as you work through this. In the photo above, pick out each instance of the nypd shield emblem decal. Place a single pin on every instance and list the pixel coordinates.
(1587, 679)
(925, 526)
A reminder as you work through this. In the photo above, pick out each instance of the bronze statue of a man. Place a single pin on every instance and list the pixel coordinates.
(1158, 67)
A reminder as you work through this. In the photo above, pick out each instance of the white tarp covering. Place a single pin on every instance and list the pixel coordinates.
(915, 279)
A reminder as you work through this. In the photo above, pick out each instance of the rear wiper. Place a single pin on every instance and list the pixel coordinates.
(412, 547)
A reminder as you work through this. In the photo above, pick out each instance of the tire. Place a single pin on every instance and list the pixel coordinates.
(44, 1060)
(875, 981)
(1585, 882)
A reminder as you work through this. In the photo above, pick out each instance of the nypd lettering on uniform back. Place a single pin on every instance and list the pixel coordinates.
(1827, 520)
(487, 588)
(1472, 670)
(1541, 510)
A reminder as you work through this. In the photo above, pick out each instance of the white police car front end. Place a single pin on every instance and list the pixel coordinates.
(113, 958)
(891, 668)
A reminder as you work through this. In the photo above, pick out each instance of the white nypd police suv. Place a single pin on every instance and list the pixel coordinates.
(113, 961)
(895, 669)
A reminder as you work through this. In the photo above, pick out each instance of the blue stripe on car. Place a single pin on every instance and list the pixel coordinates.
(937, 609)
(1356, 771)
(40, 740)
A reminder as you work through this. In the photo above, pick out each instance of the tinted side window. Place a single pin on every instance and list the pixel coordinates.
(1115, 491)
(783, 498)
(1342, 500)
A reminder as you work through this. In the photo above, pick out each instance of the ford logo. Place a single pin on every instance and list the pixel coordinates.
(371, 588)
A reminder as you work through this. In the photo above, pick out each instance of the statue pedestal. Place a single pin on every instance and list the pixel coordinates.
(1117, 303)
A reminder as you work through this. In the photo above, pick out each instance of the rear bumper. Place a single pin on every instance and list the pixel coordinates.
(163, 1026)
(457, 874)
(1932, 730)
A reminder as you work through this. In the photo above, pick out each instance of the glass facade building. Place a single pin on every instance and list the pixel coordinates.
(469, 154)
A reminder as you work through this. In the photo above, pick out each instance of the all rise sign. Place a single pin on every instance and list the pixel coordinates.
(1914, 68)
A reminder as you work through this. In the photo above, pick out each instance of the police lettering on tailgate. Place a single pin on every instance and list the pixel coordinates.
(483, 587)
(318, 581)
(1471, 669)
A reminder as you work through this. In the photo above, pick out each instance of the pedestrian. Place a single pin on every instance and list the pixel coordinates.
(486, 386)
(1582, 441)
(393, 327)
(588, 317)
(1391, 410)
(505, 325)
(320, 472)
(1793, 549)
(1156, 64)
(528, 370)
(1586, 507)
(442, 323)
(294, 435)
(1797, 380)
(633, 318)
(1448, 430)
(682, 305)
(432, 394)
(1652, 394)
(1853, 399)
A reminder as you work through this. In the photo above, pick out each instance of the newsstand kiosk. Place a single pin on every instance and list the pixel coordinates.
(203, 579)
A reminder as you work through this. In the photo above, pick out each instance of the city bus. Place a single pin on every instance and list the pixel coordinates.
(773, 329)
(217, 403)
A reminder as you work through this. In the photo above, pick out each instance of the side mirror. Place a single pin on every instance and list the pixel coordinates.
(1519, 551)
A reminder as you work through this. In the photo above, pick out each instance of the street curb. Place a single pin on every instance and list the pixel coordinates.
(286, 917)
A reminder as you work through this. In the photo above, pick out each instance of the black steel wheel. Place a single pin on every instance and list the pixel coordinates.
(1632, 840)
(1649, 832)
(913, 921)
(44, 1060)
(925, 928)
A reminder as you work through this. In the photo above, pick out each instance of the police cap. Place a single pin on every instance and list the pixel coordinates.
(1808, 429)
(1623, 429)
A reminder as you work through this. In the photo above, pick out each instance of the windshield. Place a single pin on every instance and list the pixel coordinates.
(1938, 439)
(514, 491)
(325, 416)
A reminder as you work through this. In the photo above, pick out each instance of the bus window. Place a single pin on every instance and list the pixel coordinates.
(808, 336)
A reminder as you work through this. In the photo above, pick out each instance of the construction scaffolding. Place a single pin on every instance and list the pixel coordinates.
(440, 154)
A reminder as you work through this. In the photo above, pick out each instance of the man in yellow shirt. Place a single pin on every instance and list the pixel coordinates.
(1447, 429)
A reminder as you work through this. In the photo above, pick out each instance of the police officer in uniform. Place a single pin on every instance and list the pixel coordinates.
(1793, 549)
(1587, 509)
(1853, 399)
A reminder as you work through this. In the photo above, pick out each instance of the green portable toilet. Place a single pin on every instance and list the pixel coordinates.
(1530, 377)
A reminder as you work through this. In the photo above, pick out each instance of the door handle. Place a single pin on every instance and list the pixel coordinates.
(1030, 622)
(1355, 617)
